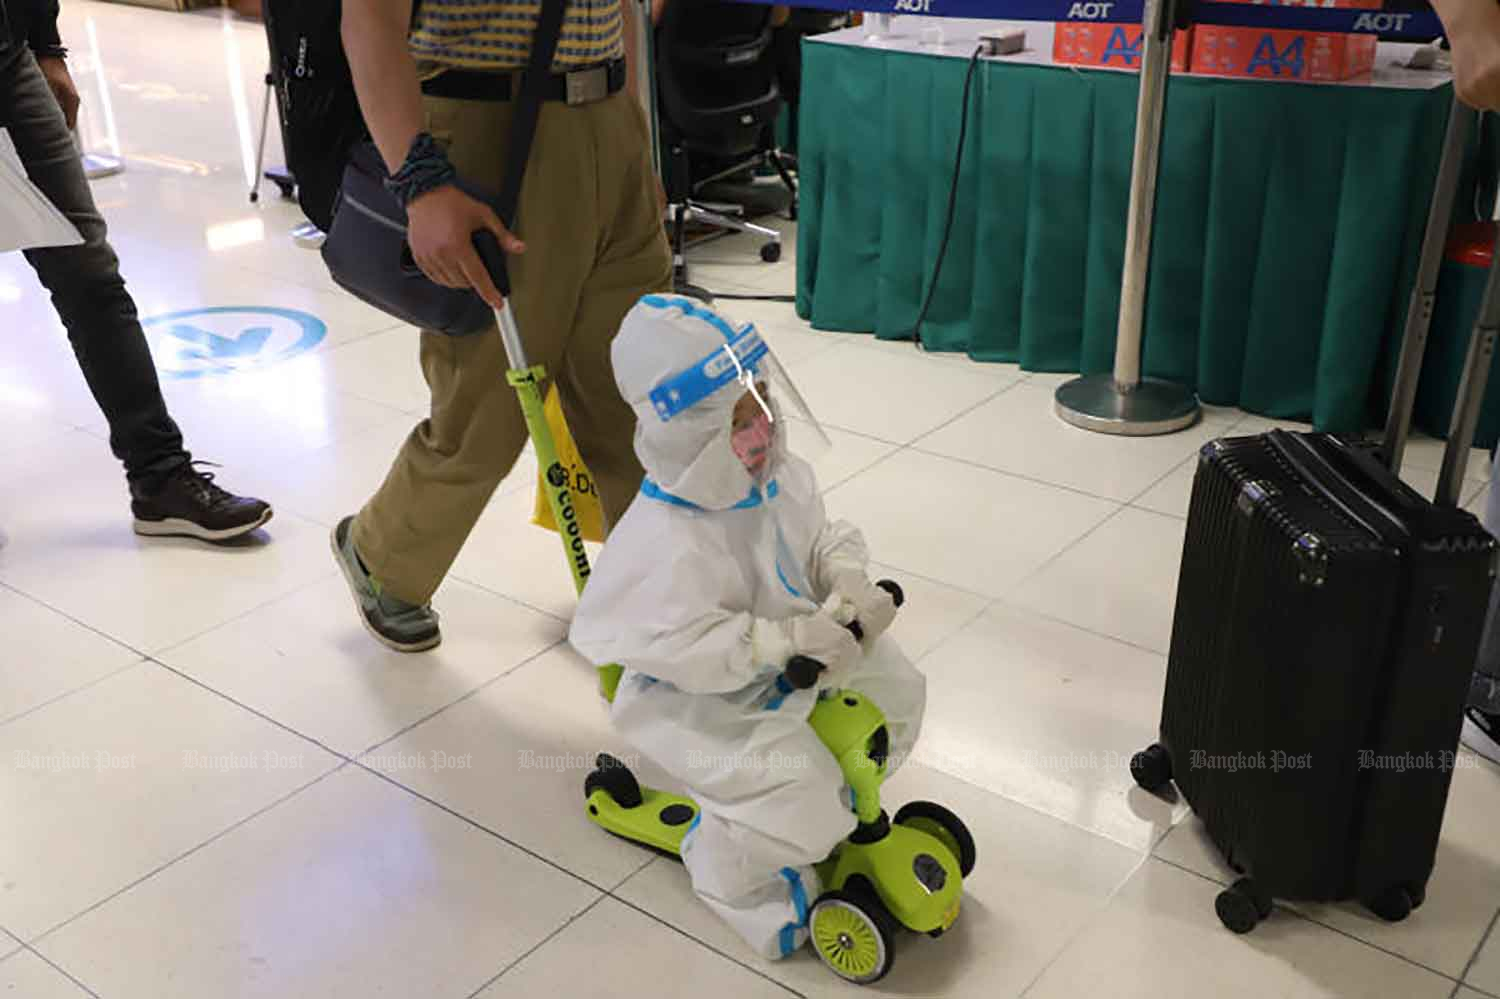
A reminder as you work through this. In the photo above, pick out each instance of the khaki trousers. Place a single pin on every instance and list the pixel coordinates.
(594, 245)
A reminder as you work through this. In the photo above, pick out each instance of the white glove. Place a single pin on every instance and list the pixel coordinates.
(872, 606)
(818, 636)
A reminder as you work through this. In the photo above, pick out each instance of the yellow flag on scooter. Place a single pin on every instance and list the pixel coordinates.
(585, 495)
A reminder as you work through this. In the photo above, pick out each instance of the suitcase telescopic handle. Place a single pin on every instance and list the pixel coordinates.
(1424, 291)
(1481, 349)
(1471, 388)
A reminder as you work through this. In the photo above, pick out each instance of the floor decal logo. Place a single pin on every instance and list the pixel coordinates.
(227, 339)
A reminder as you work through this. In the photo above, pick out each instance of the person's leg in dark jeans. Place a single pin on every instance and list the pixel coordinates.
(169, 496)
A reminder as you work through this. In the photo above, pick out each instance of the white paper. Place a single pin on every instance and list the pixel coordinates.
(28, 220)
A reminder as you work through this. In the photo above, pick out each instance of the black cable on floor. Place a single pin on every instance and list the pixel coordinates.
(958, 159)
(753, 298)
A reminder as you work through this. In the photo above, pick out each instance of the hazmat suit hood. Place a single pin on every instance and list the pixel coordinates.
(668, 341)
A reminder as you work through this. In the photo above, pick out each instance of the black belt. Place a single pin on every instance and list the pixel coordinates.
(579, 86)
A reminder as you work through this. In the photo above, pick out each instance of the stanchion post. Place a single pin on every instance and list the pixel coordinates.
(1124, 402)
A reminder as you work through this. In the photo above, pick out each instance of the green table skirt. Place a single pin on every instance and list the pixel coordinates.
(1288, 224)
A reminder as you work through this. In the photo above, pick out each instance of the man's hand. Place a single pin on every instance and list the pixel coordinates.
(441, 226)
(61, 81)
(1473, 28)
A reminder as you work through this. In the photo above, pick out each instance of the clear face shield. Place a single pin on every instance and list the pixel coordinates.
(769, 415)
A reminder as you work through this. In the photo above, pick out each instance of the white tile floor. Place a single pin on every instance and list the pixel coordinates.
(212, 784)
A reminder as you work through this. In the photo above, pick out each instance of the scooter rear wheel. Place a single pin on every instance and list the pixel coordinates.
(947, 828)
(615, 778)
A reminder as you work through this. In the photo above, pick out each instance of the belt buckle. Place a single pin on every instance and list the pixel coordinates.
(585, 86)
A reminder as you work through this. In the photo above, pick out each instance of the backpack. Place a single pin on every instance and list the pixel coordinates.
(319, 110)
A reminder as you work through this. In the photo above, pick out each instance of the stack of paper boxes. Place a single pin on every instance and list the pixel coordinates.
(1229, 51)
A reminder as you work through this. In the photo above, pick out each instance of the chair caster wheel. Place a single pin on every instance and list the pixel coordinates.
(1242, 905)
(771, 252)
(1152, 767)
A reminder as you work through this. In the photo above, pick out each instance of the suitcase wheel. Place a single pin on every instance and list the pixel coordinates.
(1152, 767)
(1242, 905)
(1394, 905)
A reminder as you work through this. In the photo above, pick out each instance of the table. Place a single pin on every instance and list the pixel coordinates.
(1288, 223)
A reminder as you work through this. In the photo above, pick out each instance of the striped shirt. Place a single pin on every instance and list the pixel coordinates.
(496, 34)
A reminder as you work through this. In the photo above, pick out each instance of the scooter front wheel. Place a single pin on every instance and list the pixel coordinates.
(853, 934)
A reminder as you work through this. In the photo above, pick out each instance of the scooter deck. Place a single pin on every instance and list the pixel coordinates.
(660, 821)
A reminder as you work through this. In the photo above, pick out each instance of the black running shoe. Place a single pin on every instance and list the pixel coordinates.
(189, 504)
(1481, 733)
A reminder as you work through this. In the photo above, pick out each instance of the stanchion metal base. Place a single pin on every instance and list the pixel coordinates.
(96, 166)
(1154, 407)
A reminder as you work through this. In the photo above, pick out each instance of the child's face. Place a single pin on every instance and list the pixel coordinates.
(746, 410)
(751, 433)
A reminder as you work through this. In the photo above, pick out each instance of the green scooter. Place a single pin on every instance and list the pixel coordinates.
(907, 871)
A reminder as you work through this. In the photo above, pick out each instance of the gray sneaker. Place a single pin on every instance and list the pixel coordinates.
(395, 623)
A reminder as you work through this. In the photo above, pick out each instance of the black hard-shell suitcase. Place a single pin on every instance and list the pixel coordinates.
(1326, 627)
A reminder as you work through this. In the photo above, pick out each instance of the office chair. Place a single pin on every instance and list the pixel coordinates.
(787, 42)
(718, 101)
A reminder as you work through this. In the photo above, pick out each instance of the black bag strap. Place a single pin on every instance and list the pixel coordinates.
(528, 106)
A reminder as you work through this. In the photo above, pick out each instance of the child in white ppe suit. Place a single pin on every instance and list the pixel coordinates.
(723, 569)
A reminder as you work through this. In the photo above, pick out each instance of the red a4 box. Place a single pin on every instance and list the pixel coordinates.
(1116, 45)
(1281, 55)
(1285, 55)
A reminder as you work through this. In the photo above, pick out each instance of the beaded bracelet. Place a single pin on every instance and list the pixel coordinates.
(426, 169)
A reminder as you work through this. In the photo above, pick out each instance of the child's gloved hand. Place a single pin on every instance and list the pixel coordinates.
(873, 607)
(818, 636)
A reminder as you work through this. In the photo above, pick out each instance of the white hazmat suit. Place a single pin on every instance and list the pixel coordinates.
(708, 584)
